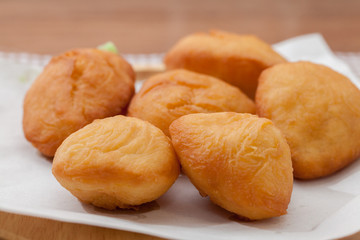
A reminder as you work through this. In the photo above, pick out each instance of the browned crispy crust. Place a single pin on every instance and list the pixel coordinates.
(74, 89)
(237, 59)
(318, 110)
(242, 162)
(170, 95)
(116, 162)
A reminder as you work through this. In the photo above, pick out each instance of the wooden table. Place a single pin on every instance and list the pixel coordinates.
(140, 26)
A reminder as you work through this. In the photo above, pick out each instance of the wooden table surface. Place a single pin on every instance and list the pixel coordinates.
(140, 26)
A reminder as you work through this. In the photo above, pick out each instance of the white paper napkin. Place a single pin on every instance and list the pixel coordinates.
(319, 209)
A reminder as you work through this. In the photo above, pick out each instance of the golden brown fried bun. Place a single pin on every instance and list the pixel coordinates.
(237, 59)
(318, 111)
(170, 95)
(116, 162)
(242, 162)
(74, 89)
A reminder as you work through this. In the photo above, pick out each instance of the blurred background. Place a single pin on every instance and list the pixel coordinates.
(139, 26)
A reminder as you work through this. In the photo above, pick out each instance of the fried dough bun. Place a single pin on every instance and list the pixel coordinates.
(242, 162)
(318, 111)
(236, 59)
(170, 95)
(74, 89)
(116, 162)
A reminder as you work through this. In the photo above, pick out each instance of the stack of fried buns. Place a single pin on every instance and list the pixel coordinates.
(229, 112)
